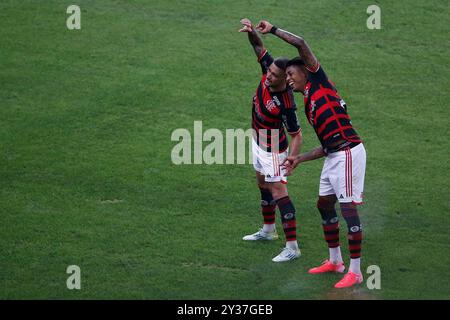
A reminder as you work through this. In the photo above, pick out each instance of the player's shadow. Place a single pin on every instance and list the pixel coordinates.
(349, 294)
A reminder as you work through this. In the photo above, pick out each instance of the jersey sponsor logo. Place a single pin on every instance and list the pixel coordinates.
(275, 98)
(286, 124)
(306, 90)
(258, 114)
(312, 109)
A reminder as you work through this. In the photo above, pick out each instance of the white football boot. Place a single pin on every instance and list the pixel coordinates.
(287, 254)
(261, 235)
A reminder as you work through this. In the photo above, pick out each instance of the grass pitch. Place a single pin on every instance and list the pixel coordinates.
(86, 176)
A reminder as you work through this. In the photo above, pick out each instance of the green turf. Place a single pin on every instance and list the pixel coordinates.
(85, 171)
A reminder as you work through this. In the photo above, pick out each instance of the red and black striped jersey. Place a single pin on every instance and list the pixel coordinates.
(272, 112)
(326, 111)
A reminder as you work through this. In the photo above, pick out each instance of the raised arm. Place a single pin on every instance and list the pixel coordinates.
(303, 49)
(253, 37)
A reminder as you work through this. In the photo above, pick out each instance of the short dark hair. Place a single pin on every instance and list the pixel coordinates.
(281, 63)
(297, 61)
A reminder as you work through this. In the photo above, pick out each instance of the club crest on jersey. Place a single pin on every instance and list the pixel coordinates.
(270, 105)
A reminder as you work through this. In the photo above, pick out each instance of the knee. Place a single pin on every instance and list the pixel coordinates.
(263, 185)
(348, 206)
(350, 214)
(279, 190)
(326, 203)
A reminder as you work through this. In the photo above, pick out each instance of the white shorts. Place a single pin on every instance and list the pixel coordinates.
(343, 175)
(268, 163)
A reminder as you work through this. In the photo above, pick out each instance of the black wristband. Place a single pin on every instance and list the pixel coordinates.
(273, 29)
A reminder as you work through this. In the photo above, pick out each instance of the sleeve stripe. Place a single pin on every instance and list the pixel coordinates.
(314, 69)
(262, 55)
(295, 133)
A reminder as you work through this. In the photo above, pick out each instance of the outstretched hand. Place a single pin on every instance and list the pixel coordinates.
(264, 26)
(246, 25)
(289, 164)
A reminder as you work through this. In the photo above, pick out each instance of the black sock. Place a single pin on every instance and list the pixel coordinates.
(350, 214)
(287, 211)
(268, 206)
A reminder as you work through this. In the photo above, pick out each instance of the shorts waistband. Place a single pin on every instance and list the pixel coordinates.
(342, 147)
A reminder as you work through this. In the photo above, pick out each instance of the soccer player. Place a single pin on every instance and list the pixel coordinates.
(273, 110)
(343, 172)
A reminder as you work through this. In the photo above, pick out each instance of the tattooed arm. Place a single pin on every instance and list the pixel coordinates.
(303, 49)
(253, 37)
